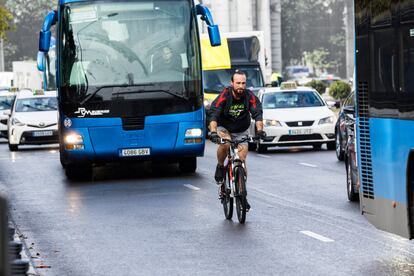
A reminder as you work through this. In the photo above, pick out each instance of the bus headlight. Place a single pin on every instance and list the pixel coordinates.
(73, 141)
(194, 132)
(327, 120)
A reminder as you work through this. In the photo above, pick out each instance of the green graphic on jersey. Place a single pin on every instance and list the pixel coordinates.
(236, 110)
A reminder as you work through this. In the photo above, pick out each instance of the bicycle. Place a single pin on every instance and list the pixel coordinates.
(235, 180)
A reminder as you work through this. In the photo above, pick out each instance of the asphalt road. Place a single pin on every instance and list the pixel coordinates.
(151, 220)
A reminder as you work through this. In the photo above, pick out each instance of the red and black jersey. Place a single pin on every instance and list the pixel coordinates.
(235, 115)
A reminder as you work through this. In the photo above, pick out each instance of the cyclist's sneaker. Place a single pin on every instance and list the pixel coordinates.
(221, 191)
(247, 206)
(219, 175)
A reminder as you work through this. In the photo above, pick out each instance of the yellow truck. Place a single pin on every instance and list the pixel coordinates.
(238, 50)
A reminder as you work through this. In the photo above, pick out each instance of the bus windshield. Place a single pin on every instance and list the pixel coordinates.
(129, 43)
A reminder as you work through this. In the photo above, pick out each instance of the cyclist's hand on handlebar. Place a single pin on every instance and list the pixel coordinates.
(261, 134)
(214, 137)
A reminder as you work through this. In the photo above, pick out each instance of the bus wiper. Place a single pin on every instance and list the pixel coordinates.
(151, 91)
(112, 86)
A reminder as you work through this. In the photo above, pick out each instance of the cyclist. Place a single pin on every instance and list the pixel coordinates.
(230, 115)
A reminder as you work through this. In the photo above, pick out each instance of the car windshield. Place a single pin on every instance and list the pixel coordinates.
(216, 80)
(36, 104)
(291, 100)
(6, 102)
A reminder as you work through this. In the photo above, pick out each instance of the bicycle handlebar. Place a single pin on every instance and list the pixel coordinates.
(238, 141)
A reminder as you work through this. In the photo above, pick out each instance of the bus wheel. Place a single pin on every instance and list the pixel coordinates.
(78, 171)
(188, 165)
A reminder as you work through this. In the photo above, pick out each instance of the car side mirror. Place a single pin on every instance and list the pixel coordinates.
(349, 110)
(7, 113)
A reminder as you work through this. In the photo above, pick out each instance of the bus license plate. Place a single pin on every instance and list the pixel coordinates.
(136, 152)
(300, 131)
(42, 133)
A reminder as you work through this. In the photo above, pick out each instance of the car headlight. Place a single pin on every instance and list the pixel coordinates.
(327, 120)
(16, 122)
(194, 132)
(207, 103)
(271, 122)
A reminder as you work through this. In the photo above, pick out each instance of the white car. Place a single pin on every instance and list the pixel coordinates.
(6, 103)
(295, 116)
(33, 119)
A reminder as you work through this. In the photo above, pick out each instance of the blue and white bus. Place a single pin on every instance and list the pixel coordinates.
(129, 81)
(385, 112)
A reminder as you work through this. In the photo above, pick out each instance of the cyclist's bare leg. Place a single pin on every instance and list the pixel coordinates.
(243, 150)
(222, 150)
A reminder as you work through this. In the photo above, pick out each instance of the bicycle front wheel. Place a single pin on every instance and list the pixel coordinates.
(227, 200)
(241, 194)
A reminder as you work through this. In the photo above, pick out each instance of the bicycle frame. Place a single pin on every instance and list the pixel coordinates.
(233, 161)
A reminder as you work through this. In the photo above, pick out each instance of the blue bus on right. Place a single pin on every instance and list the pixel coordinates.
(384, 32)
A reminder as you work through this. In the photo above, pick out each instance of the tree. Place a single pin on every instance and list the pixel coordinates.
(311, 25)
(5, 18)
(27, 20)
(339, 90)
(317, 85)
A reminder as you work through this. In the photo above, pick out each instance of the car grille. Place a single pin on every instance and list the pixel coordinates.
(28, 138)
(293, 138)
(296, 124)
(41, 126)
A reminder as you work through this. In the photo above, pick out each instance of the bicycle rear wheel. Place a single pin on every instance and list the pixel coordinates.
(227, 200)
(241, 194)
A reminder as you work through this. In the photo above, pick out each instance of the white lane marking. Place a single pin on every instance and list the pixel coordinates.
(308, 165)
(265, 156)
(316, 236)
(189, 186)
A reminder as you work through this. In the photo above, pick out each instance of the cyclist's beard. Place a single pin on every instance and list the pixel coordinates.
(239, 92)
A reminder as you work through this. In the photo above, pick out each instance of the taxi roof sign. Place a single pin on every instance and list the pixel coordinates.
(38, 92)
(288, 85)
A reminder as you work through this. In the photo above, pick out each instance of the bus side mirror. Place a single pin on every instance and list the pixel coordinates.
(214, 35)
(45, 34)
(41, 61)
(213, 30)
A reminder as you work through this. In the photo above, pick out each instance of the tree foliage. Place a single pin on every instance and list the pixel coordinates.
(5, 20)
(27, 20)
(317, 85)
(311, 25)
(339, 90)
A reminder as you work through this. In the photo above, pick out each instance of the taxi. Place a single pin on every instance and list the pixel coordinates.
(33, 119)
(7, 97)
(295, 116)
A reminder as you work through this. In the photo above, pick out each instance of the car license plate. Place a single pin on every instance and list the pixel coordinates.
(42, 133)
(300, 131)
(136, 152)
